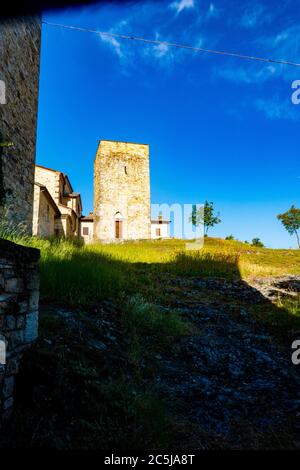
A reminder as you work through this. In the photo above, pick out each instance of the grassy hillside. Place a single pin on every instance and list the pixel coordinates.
(114, 316)
(82, 274)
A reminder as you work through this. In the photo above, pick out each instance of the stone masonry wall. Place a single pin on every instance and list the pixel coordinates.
(19, 298)
(43, 214)
(19, 70)
(122, 189)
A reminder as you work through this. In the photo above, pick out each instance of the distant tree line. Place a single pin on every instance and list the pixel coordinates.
(208, 217)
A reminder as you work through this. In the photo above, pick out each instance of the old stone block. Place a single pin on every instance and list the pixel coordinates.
(33, 281)
(5, 298)
(31, 327)
(14, 285)
(8, 387)
(20, 322)
(9, 323)
(12, 366)
(34, 300)
(16, 339)
(23, 306)
(8, 403)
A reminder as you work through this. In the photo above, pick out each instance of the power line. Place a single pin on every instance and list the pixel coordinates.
(177, 45)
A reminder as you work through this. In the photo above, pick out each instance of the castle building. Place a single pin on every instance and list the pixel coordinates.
(57, 209)
(122, 209)
(122, 191)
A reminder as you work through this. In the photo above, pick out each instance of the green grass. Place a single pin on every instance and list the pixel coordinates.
(72, 398)
(82, 275)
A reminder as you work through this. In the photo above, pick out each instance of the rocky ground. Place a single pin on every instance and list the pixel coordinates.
(228, 383)
(231, 378)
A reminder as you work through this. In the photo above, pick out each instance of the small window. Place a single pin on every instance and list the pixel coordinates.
(118, 229)
(125, 170)
(158, 232)
(85, 231)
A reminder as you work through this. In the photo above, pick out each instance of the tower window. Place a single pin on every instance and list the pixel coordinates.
(125, 170)
(85, 231)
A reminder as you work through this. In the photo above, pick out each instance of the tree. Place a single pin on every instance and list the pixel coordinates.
(257, 242)
(291, 221)
(206, 216)
(229, 237)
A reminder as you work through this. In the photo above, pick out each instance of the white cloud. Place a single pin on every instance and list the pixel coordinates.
(181, 5)
(277, 108)
(284, 45)
(114, 43)
(161, 50)
(212, 12)
(250, 73)
(254, 16)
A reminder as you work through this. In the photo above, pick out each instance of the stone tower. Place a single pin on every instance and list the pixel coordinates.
(121, 191)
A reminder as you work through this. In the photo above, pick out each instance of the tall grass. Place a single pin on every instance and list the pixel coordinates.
(9, 230)
(75, 274)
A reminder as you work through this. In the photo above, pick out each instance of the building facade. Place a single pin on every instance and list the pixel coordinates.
(121, 191)
(57, 209)
(87, 228)
(19, 83)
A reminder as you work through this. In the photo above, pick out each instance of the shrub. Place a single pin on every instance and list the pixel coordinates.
(257, 242)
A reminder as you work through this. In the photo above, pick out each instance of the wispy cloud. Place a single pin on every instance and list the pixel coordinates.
(285, 45)
(254, 16)
(277, 108)
(114, 43)
(181, 5)
(249, 74)
(212, 11)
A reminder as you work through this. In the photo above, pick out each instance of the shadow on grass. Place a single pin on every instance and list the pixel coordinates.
(69, 397)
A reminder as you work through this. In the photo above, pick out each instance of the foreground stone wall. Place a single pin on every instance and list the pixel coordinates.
(19, 70)
(19, 298)
(122, 190)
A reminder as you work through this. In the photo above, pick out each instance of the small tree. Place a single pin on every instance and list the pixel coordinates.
(206, 217)
(291, 221)
(257, 242)
(230, 237)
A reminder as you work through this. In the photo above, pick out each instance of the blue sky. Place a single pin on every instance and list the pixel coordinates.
(219, 128)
